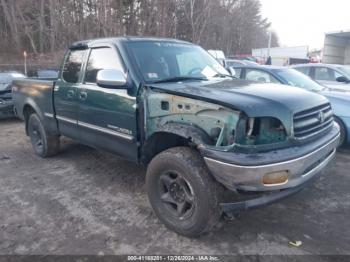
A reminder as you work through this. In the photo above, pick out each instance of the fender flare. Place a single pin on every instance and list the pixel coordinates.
(32, 104)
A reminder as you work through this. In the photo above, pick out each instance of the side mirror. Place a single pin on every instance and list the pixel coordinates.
(342, 79)
(111, 78)
(232, 71)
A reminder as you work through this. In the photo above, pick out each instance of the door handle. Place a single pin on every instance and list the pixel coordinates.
(70, 93)
(82, 95)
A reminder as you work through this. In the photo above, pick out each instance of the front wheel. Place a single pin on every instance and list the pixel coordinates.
(182, 192)
(44, 144)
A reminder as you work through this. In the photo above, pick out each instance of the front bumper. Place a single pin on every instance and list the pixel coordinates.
(300, 168)
(263, 200)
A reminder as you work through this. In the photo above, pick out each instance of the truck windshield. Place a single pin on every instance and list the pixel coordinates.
(171, 62)
(297, 79)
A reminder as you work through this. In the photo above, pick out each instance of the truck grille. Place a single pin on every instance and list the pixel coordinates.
(312, 121)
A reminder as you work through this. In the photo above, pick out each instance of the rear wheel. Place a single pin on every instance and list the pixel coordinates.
(44, 144)
(182, 192)
(343, 137)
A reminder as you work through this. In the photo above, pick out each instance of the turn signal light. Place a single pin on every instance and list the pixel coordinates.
(276, 178)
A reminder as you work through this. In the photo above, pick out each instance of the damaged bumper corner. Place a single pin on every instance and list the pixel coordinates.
(302, 163)
(264, 199)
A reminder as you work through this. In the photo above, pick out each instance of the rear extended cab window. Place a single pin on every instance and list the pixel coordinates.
(72, 66)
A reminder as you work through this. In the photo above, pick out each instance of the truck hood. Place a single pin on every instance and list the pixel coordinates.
(255, 99)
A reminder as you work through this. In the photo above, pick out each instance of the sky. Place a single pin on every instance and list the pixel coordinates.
(304, 22)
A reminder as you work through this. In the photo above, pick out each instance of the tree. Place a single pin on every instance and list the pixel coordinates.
(41, 26)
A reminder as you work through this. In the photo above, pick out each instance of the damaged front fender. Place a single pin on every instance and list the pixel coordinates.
(202, 123)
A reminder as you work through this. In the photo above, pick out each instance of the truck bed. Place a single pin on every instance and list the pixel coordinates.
(37, 94)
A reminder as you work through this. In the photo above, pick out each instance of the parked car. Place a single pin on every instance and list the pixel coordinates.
(6, 103)
(339, 99)
(244, 58)
(219, 55)
(170, 105)
(232, 63)
(47, 73)
(332, 76)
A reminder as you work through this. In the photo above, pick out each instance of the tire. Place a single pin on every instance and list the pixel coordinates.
(343, 135)
(182, 192)
(44, 144)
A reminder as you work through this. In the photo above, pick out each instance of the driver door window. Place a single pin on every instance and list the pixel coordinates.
(259, 76)
(101, 58)
(326, 74)
(304, 70)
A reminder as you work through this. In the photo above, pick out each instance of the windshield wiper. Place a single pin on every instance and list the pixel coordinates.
(224, 75)
(178, 79)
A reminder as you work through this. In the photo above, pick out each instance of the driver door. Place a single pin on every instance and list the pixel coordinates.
(107, 117)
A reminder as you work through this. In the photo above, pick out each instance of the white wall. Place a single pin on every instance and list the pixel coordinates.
(347, 54)
(282, 52)
(336, 50)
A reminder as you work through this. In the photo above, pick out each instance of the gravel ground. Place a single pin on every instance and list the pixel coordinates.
(85, 201)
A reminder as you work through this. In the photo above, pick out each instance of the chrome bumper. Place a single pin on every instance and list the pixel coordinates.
(250, 178)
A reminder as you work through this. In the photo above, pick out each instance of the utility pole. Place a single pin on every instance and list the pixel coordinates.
(25, 62)
(269, 44)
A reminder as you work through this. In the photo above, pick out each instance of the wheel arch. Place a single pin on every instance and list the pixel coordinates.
(28, 109)
(173, 135)
(340, 122)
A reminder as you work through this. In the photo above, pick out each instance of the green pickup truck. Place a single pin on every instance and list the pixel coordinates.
(169, 105)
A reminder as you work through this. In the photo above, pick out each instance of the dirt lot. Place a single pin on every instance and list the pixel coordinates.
(84, 201)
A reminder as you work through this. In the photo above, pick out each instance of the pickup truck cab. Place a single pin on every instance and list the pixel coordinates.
(169, 105)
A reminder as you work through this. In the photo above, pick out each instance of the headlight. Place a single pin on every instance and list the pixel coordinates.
(261, 131)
